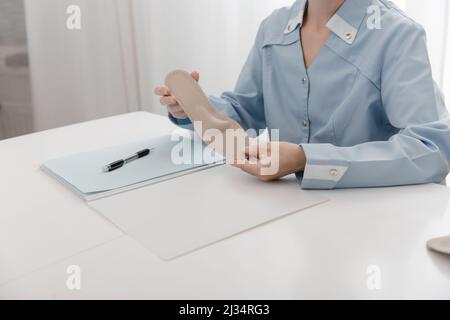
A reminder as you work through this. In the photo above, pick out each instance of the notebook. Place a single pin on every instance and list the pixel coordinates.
(173, 156)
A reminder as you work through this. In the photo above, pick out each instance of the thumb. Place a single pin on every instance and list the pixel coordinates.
(252, 151)
(258, 150)
(196, 76)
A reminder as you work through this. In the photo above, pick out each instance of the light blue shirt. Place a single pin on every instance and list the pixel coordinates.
(367, 111)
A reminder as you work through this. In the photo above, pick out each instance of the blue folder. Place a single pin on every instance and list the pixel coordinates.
(83, 173)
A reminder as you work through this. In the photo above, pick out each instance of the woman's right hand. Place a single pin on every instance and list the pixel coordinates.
(170, 101)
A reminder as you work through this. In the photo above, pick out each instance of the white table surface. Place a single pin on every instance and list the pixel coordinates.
(323, 252)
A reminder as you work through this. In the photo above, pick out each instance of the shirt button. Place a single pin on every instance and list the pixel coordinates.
(334, 172)
(349, 36)
(304, 80)
(306, 124)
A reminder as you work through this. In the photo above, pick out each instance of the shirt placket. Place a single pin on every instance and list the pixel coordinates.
(305, 121)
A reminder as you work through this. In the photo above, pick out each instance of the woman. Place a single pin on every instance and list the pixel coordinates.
(353, 98)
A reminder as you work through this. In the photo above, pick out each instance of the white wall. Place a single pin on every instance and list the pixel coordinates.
(434, 15)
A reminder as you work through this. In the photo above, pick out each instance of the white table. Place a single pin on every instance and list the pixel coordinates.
(324, 252)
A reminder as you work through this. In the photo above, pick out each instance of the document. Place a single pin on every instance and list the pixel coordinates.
(170, 157)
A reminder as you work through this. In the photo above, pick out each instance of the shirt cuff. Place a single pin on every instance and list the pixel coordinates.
(184, 123)
(325, 167)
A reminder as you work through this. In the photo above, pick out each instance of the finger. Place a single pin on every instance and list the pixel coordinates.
(258, 151)
(251, 169)
(174, 108)
(162, 91)
(242, 158)
(256, 171)
(168, 101)
(179, 115)
(196, 76)
(251, 151)
(266, 161)
(264, 150)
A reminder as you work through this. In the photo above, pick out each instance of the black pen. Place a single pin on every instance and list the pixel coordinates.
(120, 163)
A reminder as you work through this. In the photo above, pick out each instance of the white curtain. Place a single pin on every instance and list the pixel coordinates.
(79, 75)
(126, 47)
(213, 37)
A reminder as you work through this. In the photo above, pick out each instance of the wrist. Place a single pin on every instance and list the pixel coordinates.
(300, 159)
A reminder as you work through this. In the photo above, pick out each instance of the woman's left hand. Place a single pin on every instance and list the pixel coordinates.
(272, 161)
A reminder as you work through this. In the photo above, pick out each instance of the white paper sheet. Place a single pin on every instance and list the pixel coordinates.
(181, 215)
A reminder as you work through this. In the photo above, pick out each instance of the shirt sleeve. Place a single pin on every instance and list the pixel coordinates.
(418, 154)
(246, 103)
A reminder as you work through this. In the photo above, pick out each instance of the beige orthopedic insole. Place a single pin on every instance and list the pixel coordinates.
(441, 245)
(221, 133)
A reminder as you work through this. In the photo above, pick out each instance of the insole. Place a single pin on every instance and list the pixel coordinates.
(220, 132)
(441, 245)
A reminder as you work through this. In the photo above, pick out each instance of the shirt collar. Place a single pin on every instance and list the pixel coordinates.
(345, 23)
